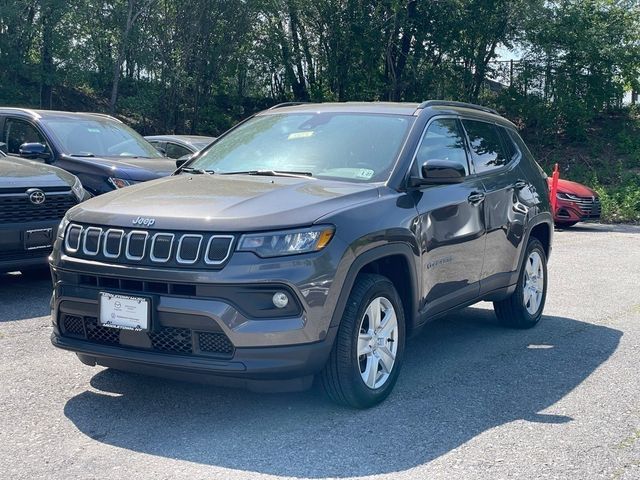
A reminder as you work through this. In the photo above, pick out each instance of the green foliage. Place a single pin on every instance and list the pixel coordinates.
(199, 66)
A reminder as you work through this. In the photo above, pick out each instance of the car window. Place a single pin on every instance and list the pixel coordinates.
(486, 146)
(511, 150)
(356, 147)
(17, 132)
(98, 136)
(174, 150)
(443, 140)
(525, 150)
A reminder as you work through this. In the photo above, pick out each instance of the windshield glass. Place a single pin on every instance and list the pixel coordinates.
(346, 146)
(99, 137)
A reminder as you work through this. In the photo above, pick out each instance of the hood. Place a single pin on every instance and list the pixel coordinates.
(131, 168)
(223, 203)
(21, 173)
(573, 188)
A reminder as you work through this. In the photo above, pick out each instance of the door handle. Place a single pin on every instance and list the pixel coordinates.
(519, 185)
(475, 198)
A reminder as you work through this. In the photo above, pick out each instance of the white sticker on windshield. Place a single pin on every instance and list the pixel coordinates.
(294, 135)
(365, 173)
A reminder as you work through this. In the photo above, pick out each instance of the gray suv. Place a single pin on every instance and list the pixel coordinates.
(308, 241)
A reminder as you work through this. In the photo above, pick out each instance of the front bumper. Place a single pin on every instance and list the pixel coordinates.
(577, 211)
(286, 368)
(189, 304)
(13, 253)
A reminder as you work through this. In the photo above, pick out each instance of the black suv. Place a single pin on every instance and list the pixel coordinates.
(100, 150)
(309, 240)
(33, 199)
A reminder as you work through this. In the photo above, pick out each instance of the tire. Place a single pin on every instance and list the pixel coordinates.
(343, 377)
(523, 309)
(565, 224)
(36, 272)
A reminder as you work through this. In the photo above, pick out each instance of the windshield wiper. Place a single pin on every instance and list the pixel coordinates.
(271, 173)
(197, 170)
(87, 154)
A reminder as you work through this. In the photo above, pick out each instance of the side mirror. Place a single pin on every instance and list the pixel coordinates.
(34, 151)
(439, 172)
(182, 160)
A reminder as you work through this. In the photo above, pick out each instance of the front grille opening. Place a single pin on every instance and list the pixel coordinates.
(156, 287)
(89, 280)
(215, 343)
(179, 341)
(182, 289)
(218, 249)
(135, 285)
(108, 282)
(99, 334)
(73, 326)
(169, 339)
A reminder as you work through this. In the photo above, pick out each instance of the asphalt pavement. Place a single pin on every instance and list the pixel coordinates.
(474, 400)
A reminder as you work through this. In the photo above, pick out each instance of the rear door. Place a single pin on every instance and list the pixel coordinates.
(450, 223)
(496, 160)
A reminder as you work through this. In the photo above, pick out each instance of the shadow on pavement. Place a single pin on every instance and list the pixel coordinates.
(462, 376)
(24, 296)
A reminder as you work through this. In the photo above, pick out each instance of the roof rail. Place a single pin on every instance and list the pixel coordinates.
(103, 115)
(287, 104)
(29, 111)
(448, 103)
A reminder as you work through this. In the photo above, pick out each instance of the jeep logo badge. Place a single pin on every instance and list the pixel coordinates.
(37, 196)
(144, 222)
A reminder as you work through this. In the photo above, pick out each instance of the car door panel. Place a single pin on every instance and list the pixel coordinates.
(450, 224)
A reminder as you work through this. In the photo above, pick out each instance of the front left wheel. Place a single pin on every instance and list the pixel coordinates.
(366, 357)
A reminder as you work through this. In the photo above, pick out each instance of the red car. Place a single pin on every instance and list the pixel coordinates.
(576, 203)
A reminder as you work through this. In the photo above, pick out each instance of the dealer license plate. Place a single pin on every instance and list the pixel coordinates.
(124, 312)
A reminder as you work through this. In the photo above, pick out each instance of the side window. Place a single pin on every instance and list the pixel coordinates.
(17, 132)
(176, 151)
(443, 141)
(486, 145)
(510, 148)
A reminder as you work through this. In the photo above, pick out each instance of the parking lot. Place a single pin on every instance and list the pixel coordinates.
(474, 400)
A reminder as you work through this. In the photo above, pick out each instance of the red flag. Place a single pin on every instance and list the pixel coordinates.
(554, 188)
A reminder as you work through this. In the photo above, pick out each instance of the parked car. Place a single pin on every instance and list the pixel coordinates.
(100, 150)
(576, 203)
(177, 146)
(33, 200)
(310, 240)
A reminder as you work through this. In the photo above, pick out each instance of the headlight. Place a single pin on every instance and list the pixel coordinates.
(288, 242)
(78, 190)
(565, 196)
(119, 182)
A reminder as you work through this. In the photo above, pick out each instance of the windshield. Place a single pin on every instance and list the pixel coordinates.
(347, 146)
(98, 137)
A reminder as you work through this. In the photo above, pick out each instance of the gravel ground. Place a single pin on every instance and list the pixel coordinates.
(473, 401)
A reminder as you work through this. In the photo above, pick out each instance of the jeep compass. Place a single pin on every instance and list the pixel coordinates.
(309, 241)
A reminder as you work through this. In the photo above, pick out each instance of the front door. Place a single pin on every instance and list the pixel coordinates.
(451, 225)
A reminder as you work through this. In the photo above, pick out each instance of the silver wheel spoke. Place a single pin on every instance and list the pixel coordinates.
(371, 372)
(373, 312)
(389, 324)
(364, 340)
(387, 359)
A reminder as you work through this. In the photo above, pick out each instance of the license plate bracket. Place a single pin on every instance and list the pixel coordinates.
(37, 239)
(124, 312)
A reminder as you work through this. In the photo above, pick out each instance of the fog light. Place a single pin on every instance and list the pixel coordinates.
(280, 299)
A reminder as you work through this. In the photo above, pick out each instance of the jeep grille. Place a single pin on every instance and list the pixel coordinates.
(135, 246)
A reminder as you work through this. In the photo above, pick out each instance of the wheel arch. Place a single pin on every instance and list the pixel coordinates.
(394, 261)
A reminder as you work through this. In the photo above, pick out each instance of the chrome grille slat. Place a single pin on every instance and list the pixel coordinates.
(136, 246)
